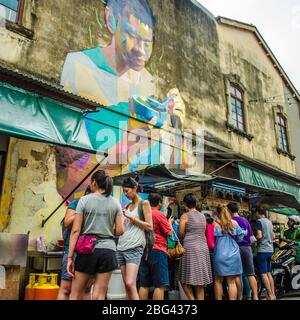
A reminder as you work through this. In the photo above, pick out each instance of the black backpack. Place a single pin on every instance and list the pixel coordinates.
(150, 235)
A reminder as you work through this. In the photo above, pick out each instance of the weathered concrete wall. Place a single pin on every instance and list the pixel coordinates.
(14, 45)
(189, 41)
(8, 186)
(59, 27)
(30, 191)
(293, 113)
(241, 55)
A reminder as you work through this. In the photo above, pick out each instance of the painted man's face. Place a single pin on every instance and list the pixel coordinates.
(134, 42)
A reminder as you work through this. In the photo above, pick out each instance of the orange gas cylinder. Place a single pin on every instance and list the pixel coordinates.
(47, 288)
(54, 285)
(29, 289)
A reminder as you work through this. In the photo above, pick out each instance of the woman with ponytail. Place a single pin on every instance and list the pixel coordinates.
(100, 215)
(131, 245)
(227, 261)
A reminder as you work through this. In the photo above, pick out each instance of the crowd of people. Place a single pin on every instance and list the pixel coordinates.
(122, 241)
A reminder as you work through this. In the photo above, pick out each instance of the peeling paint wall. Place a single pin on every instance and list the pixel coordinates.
(30, 191)
(14, 41)
(8, 185)
(13, 46)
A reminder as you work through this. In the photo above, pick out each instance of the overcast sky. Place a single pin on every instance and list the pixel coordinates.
(278, 21)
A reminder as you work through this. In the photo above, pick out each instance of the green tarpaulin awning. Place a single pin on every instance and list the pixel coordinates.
(265, 180)
(29, 116)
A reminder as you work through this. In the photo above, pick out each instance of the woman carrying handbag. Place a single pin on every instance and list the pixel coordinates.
(178, 251)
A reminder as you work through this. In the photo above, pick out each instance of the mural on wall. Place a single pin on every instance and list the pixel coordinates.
(116, 77)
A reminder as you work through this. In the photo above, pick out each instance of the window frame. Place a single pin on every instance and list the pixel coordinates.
(279, 110)
(234, 96)
(283, 138)
(234, 80)
(19, 12)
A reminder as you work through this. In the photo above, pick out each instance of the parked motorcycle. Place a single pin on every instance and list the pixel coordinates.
(283, 262)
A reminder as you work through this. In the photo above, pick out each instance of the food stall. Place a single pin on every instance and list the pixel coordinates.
(212, 190)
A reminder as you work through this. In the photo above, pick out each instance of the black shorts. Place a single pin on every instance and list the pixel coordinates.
(100, 261)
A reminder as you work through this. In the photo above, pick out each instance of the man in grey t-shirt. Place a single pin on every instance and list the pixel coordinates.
(265, 238)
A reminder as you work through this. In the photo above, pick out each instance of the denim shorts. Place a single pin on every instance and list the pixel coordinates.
(133, 255)
(264, 262)
(64, 273)
(247, 261)
(154, 272)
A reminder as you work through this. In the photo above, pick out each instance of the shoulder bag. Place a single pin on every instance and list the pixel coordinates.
(178, 251)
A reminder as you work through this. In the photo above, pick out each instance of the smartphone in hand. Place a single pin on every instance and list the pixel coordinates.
(125, 212)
